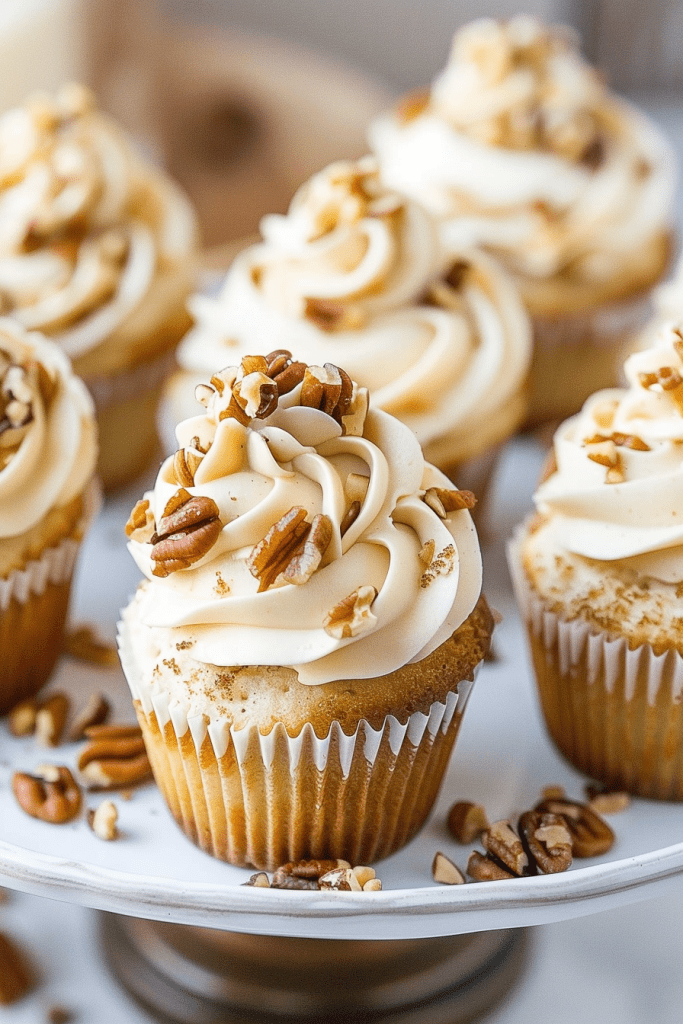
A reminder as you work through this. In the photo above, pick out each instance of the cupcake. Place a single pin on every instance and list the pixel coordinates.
(310, 625)
(96, 252)
(519, 147)
(599, 577)
(355, 273)
(48, 450)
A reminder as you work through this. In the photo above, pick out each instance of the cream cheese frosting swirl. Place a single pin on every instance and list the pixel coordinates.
(84, 225)
(48, 440)
(354, 273)
(318, 537)
(617, 492)
(521, 148)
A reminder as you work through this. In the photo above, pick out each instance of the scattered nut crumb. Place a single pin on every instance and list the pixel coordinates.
(60, 1015)
(103, 820)
(445, 871)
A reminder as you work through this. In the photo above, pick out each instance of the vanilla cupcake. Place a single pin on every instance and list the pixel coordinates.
(303, 646)
(599, 575)
(96, 251)
(519, 147)
(354, 273)
(48, 450)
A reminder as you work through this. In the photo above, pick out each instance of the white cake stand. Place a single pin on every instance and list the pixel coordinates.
(153, 873)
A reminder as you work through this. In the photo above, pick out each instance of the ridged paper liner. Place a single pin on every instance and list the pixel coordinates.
(577, 353)
(34, 602)
(263, 800)
(616, 713)
(109, 389)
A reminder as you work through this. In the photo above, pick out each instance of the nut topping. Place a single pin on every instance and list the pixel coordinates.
(349, 518)
(591, 835)
(485, 869)
(467, 821)
(256, 394)
(114, 757)
(292, 548)
(16, 977)
(605, 801)
(547, 841)
(667, 377)
(620, 440)
(352, 615)
(327, 388)
(185, 465)
(140, 525)
(56, 800)
(445, 871)
(501, 842)
(186, 532)
(442, 500)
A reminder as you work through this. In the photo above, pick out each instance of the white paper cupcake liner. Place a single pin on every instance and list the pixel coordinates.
(615, 712)
(267, 799)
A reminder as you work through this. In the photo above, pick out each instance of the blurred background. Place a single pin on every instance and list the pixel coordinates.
(243, 100)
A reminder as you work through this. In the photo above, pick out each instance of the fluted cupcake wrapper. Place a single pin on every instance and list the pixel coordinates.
(34, 602)
(577, 353)
(264, 800)
(615, 712)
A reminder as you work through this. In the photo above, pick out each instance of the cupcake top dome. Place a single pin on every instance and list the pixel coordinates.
(355, 273)
(296, 526)
(521, 148)
(48, 439)
(617, 491)
(84, 224)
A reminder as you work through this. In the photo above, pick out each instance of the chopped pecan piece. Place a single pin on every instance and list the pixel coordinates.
(83, 643)
(22, 717)
(340, 879)
(256, 394)
(186, 532)
(185, 464)
(604, 801)
(56, 799)
(591, 835)
(486, 869)
(352, 615)
(502, 843)
(304, 874)
(95, 712)
(51, 718)
(350, 516)
(328, 388)
(259, 880)
(667, 377)
(103, 821)
(467, 821)
(621, 440)
(292, 547)
(114, 757)
(547, 841)
(140, 525)
(445, 871)
(16, 976)
(442, 500)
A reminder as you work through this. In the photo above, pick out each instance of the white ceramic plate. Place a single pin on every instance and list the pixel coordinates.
(502, 759)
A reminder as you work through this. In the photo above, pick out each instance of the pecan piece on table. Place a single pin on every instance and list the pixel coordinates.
(16, 976)
(22, 717)
(484, 868)
(547, 841)
(51, 718)
(186, 532)
(292, 547)
(591, 835)
(304, 874)
(114, 757)
(55, 798)
(95, 712)
(467, 821)
(445, 871)
(505, 845)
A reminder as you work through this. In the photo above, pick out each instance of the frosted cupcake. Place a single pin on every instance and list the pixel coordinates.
(303, 646)
(48, 450)
(97, 252)
(354, 273)
(599, 574)
(519, 147)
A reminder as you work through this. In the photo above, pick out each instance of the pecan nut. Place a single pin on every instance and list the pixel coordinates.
(444, 500)
(186, 532)
(16, 976)
(591, 835)
(327, 388)
(445, 871)
(547, 841)
(304, 874)
(56, 800)
(292, 548)
(51, 718)
(484, 868)
(340, 880)
(22, 717)
(502, 843)
(140, 525)
(95, 712)
(115, 757)
(467, 821)
(102, 820)
(352, 615)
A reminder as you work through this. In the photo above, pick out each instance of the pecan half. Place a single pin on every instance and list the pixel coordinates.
(186, 532)
(114, 757)
(445, 871)
(284, 371)
(16, 976)
(292, 547)
(56, 801)
(486, 869)
(467, 821)
(547, 841)
(95, 712)
(501, 842)
(304, 874)
(186, 462)
(352, 615)
(328, 388)
(591, 835)
(140, 525)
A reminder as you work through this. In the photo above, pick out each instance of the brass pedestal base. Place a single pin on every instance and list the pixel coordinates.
(200, 976)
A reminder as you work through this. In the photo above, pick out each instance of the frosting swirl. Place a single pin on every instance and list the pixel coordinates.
(48, 441)
(617, 492)
(354, 273)
(521, 148)
(326, 543)
(84, 225)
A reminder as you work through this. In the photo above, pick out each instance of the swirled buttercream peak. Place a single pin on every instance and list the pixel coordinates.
(617, 491)
(296, 526)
